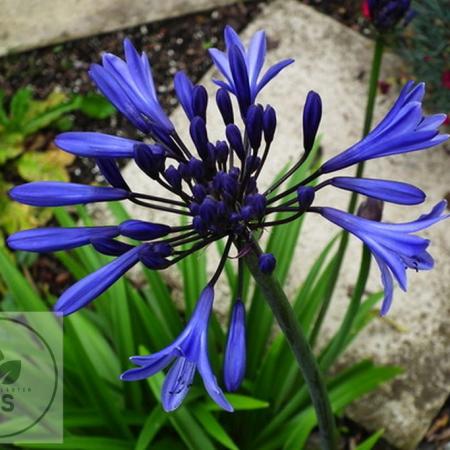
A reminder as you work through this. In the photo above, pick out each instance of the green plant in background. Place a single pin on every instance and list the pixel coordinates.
(102, 413)
(425, 47)
(26, 153)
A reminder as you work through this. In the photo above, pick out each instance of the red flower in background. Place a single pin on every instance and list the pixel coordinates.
(365, 9)
(446, 79)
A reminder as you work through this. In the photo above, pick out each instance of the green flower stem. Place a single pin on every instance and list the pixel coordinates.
(373, 87)
(283, 312)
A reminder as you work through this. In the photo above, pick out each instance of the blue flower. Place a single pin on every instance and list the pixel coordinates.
(129, 86)
(242, 67)
(403, 129)
(190, 352)
(394, 247)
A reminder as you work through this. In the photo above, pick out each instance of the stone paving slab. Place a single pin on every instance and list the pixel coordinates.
(334, 61)
(26, 24)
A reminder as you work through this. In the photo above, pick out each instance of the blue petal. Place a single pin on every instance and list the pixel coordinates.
(256, 56)
(110, 247)
(90, 287)
(140, 72)
(110, 170)
(183, 88)
(241, 82)
(95, 145)
(232, 38)
(235, 352)
(424, 221)
(56, 193)
(113, 91)
(147, 370)
(220, 60)
(177, 384)
(390, 191)
(272, 72)
(209, 379)
(55, 239)
(388, 284)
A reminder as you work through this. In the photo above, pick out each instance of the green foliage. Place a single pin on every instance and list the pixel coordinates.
(273, 409)
(25, 152)
(424, 46)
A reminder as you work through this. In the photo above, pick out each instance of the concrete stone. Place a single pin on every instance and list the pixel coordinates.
(334, 61)
(26, 24)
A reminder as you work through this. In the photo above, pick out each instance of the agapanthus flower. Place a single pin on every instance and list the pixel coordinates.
(242, 67)
(386, 14)
(213, 182)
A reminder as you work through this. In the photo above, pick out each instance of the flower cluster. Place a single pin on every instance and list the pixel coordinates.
(385, 15)
(215, 185)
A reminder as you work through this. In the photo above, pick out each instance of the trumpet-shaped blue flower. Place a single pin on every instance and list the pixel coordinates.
(242, 67)
(404, 129)
(128, 85)
(190, 352)
(394, 247)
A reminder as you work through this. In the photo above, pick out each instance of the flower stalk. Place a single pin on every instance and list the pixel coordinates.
(283, 312)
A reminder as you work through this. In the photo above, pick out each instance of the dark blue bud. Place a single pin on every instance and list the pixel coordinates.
(258, 202)
(235, 351)
(199, 101)
(254, 125)
(222, 151)
(208, 210)
(235, 217)
(184, 170)
(305, 196)
(143, 231)
(252, 163)
(194, 208)
(252, 186)
(150, 159)
(196, 169)
(312, 113)
(225, 107)
(211, 154)
(110, 247)
(163, 249)
(269, 124)
(109, 169)
(223, 210)
(234, 172)
(173, 177)
(199, 225)
(235, 139)
(199, 192)
(152, 259)
(225, 184)
(267, 263)
(199, 136)
(247, 212)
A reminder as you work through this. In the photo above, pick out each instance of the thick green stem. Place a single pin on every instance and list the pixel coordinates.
(371, 96)
(283, 312)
